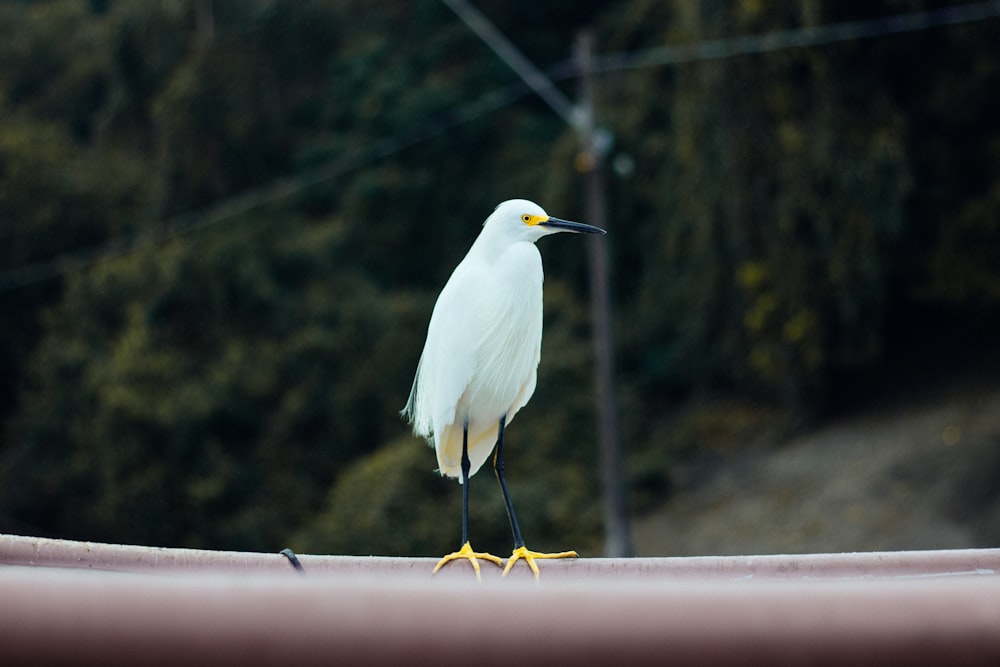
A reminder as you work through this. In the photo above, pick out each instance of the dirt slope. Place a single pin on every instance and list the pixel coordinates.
(923, 476)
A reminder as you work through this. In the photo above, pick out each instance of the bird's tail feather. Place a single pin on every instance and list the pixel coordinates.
(449, 449)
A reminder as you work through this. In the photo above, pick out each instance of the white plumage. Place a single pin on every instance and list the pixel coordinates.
(484, 340)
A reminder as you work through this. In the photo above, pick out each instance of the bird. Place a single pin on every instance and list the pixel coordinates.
(479, 363)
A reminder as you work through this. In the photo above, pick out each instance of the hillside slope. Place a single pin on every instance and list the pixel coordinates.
(921, 476)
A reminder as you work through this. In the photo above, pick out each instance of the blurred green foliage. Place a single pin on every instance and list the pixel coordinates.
(238, 386)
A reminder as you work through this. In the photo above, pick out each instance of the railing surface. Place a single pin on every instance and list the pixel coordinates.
(82, 603)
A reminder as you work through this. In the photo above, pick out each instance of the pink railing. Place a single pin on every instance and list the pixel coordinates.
(80, 603)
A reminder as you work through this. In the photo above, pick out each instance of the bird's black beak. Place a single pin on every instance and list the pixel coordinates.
(567, 226)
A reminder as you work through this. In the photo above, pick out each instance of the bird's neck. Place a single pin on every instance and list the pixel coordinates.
(492, 244)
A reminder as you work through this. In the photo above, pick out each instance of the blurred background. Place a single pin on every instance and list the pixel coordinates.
(224, 223)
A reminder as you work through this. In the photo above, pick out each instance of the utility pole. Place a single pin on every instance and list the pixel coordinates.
(594, 146)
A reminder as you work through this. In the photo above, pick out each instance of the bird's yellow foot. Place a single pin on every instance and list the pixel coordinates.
(530, 556)
(472, 556)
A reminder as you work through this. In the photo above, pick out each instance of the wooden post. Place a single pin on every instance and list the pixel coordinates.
(593, 149)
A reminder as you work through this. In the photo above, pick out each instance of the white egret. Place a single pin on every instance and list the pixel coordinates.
(479, 363)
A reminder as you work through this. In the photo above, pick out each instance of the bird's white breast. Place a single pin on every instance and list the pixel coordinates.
(507, 336)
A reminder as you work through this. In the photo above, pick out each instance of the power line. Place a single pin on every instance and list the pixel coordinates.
(255, 198)
(509, 53)
(715, 49)
(440, 123)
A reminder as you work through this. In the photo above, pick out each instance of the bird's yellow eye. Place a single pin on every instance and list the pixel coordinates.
(532, 220)
(526, 218)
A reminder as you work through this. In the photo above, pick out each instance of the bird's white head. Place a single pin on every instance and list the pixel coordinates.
(523, 220)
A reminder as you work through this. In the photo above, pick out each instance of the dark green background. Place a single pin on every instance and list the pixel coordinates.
(800, 226)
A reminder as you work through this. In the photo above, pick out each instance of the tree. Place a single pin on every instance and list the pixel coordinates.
(235, 385)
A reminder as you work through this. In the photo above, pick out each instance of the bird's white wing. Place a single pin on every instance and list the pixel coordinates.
(481, 353)
(448, 359)
(528, 388)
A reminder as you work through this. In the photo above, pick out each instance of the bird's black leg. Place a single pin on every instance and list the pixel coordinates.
(466, 550)
(520, 551)
(498, 468)
(465, 483)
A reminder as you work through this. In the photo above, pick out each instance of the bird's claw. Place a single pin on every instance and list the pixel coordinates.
(472, 556)
(522, 553)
